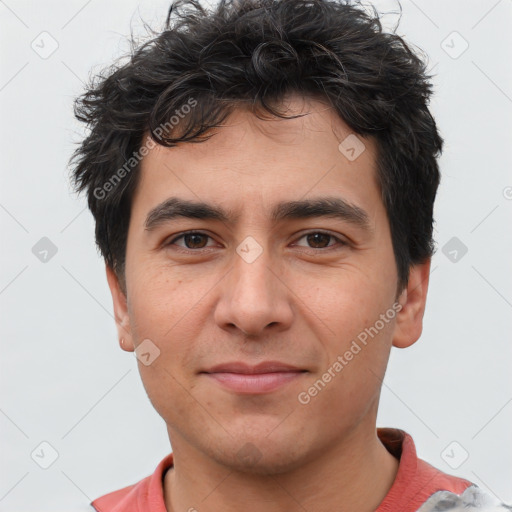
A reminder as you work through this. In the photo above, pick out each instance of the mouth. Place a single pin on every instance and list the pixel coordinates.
(246, 379)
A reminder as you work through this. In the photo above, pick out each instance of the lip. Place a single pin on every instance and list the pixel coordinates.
(263, 367)
(247, 379)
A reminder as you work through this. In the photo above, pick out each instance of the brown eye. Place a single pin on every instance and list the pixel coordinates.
(321, 241)
(318, 240)
(195, 240)
(191, 240)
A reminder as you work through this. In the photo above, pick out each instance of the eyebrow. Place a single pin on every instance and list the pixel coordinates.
(335, 207)
(175, 207)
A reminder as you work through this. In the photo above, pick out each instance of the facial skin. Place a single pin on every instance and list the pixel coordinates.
(302, 301)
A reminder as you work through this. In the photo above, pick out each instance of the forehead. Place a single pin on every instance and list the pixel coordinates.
(251, 163)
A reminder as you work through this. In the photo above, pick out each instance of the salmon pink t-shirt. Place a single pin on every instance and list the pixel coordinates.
(416, 481)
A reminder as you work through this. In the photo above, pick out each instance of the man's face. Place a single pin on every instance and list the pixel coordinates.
(265, 284)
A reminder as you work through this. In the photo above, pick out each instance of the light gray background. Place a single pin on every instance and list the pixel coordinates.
(63, 378)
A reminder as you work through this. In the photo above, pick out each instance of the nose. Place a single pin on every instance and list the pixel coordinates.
(254, 299)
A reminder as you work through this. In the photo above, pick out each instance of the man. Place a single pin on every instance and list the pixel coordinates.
(262, 177)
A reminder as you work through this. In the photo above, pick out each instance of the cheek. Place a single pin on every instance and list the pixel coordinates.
(171, 395)
(161, 312)
(344, 300)
(160, 299)
(169, 379)
(349, 306)
(349, 385)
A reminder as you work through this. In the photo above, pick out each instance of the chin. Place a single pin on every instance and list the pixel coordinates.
(260, 456)
(267, 465)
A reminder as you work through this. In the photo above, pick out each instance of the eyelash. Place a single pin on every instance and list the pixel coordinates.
(340, 242)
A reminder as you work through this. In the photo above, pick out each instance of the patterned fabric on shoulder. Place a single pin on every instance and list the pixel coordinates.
(473, 499)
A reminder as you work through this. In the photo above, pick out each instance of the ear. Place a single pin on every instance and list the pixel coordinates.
(121, 316)
(409, 320)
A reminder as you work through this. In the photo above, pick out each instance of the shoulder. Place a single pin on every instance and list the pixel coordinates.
(147, 494)
(473, 499)
(421, 487)
(123, 499)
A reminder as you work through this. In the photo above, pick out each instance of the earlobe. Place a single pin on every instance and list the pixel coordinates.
(409, 321)
(120, 311)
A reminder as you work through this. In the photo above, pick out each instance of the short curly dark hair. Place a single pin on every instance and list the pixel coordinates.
(252, 53)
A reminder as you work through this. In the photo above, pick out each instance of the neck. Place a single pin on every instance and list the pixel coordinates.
(343, 474)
